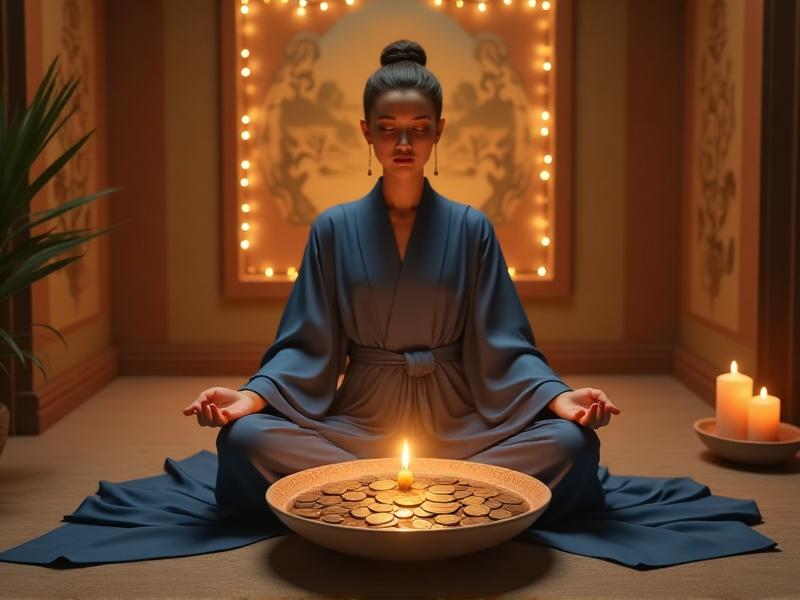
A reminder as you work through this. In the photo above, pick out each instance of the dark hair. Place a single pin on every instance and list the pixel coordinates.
(403, 68)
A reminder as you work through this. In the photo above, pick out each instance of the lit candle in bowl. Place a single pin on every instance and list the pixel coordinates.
(404, 477)
(763, 417)
(734, 391)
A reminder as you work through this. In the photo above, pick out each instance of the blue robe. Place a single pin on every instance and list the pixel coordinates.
(440, 352)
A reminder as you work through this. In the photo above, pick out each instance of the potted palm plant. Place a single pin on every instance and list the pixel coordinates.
(24, 257)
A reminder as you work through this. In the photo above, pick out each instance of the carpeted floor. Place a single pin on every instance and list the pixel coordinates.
(125, 432)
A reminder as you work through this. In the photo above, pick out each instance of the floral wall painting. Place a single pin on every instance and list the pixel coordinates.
(716, 162)
(294, 121)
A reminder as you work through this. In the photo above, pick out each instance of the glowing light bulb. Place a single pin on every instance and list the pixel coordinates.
(541, 271)
(532, 3)
(547, 66)
(244, 182)
(459, 3)
(245, 135)
(507, 2)
(545, 115)
(544, 175)
(349, 2)
(482, 6)
(244, 53)
(545, 241)
(323, 6)
(302, 3)
(545, 5)
(544, 131)
(548, 159)
(245, 208)
(244, 244)
(245, 9)
(245, 164)
(269, 272)
(245, 119)
(245, 226)
(301, 11)
(292, 273)
(245, 72)
(438, 2)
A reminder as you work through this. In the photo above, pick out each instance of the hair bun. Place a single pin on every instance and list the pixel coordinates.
(403, 50)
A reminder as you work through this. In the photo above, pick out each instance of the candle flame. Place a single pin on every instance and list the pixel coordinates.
(763, 393)
(734, 367)
(404, 459)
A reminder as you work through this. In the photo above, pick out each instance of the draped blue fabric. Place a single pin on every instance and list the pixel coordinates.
(441, 353)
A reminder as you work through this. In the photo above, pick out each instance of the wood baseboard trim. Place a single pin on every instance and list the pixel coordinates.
(61, 394)
(696, 373)
(58, 395)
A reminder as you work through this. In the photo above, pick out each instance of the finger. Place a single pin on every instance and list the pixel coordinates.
(602, 415)
(219, 420)
(201, 419)
(609, 404)
(589, 416)
(208, 416)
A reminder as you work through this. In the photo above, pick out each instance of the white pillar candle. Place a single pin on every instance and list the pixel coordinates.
(763, 417)
(734, 391)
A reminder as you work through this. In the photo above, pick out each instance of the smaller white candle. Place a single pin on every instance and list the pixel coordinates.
(764, 417)
(734, 390)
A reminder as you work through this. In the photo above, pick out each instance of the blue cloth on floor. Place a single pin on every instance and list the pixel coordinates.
(647, 522)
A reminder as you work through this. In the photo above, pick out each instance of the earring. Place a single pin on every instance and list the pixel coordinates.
(435, 160)
(369, 165)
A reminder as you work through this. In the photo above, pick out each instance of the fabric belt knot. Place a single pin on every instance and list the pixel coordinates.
(418, 362)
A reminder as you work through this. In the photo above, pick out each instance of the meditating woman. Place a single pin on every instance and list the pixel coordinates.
(409, 292)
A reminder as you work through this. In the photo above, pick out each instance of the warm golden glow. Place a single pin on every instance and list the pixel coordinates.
(459, 3)
(244, 182)
(507, 2)
(512, 271)
(545, 131)
(301, 11)
(541, 271)
(302, 3)
(244, 244)
(245, 53)
(545, 5)
(292, 273)
(245, 164)
(482, 6)
(269, 272)
(544, 175)
(323, 6)
(245, 208)
(245, 135)
(532, 3)
(734, 367)
(245, 226)
(545, 241)
(245, 119)
(246, 72)
(763, 393)
(245, 9)
(547, 65)
(349, 2)
(545, 115)
(548, 159)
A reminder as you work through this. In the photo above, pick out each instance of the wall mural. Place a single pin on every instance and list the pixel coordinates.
(716, 206)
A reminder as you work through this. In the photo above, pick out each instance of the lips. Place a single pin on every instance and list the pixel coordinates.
(403, 158)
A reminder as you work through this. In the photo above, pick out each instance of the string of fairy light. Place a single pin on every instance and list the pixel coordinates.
(543, 126)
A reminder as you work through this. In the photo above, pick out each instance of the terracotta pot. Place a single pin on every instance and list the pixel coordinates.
(5, 422)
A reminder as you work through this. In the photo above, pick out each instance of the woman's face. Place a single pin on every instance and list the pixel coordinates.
(402, 124)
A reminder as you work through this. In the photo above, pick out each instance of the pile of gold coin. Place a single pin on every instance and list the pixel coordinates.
(433, 502)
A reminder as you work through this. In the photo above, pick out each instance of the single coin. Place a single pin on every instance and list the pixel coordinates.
(499, 513)
(329, 500)
(476, 510)
(472, 500)
(447, 519)
(509, 499)
(493, 504)
(515, 509)
(309, 513)
(459, 494)
(334, 490)
(349, 522)
(391, 523)
(420, 524)
(379, 518)
(403, 513)
(371, 492)
(439, 497)
(350, 504)
(336, 509)
(367, 501)
(420, 512)
(352, 484)
(421, 484)
(367, 479)
(408, 501)
(381, 485)
(387, 497)
(486, 492)
(442, 489)
(475, 520)
(307, 497)
(354, 496)
(381, 508)
(361, 512)
(445, 480)
(304, 504)
(441, 508)
(332, 518)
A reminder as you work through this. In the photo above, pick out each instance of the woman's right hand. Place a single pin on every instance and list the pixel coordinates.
(218, 406)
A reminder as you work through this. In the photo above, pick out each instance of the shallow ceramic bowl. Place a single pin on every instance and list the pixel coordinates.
(409, 544)
(749, 451)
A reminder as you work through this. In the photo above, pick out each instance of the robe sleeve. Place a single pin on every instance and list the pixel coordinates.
(508, 376)
(299, 370)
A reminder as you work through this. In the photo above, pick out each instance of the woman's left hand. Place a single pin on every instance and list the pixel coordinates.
(586, 406)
